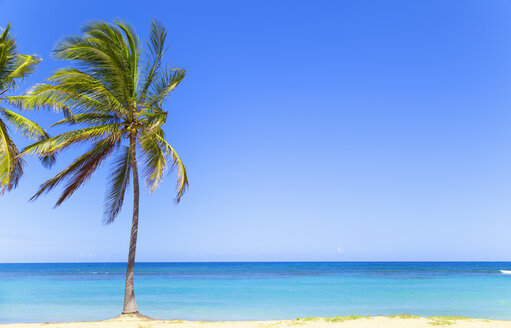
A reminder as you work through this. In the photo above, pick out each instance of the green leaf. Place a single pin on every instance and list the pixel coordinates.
(11, 165)
(120, 179)
(81, 169)
(24, 125)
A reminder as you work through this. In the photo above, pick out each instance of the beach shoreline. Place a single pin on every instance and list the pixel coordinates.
(399, 321)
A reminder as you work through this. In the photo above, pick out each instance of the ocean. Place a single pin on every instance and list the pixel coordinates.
(255, 291)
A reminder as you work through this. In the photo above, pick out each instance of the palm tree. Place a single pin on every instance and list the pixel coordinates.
(114, 100)
(13, 67)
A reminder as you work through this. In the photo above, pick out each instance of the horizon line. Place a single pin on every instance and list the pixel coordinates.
(226, 262)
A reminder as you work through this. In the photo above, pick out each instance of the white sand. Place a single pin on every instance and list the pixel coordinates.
(344, 322)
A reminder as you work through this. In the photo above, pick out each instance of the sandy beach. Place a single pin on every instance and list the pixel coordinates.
(401, 321)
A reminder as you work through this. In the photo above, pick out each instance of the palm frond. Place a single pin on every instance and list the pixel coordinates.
(159, 157)
(31, 130)
(48, 100)
(52, 146)
(7, 59)
(13, 66)
(155, 163)
(24, 65)
(6, 33)
(89, 118)
(156, 46)
(117, 187)
(24, 125)
(152, 120)
(132, 56)
(163, 85)
(73, 91)
(175, 162)
(81, 169)
(80, 82)
(106, 147)
(11, 165)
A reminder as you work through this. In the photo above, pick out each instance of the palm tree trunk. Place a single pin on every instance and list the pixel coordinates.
(130, 305)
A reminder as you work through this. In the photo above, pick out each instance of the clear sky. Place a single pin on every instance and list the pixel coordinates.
(311, 130)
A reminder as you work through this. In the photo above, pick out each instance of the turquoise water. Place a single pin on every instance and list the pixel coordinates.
(254, 291)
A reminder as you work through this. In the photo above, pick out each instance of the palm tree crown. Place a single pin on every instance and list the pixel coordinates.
(13, 67)
(113, 98)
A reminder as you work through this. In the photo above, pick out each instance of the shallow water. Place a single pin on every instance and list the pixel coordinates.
(254, 291)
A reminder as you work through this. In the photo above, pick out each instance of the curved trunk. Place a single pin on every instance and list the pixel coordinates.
(130, 305)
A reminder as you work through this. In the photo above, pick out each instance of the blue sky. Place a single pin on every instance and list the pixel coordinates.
(311, 130)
